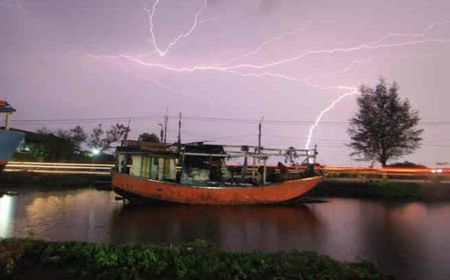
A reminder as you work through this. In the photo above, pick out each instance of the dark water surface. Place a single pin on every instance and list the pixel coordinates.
(410, 240)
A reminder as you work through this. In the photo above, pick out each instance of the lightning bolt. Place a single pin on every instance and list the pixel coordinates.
(151, 14)
(323, 112)
(339, 50)
(411, 35)
(228, 67)
(265, 43)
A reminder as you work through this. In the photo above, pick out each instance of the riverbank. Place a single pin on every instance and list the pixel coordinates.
(25, 259)
(330, 187)
(41, 180)
(392, 190)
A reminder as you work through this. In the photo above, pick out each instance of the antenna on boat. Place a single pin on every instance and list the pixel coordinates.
(166, 121)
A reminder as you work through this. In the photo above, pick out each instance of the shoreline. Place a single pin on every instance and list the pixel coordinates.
(384, 190)
(331, 187)
(26, 258)
(40, 180)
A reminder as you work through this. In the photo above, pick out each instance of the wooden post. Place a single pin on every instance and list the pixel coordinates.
(259, 138)
(245, 167)
(7, 121)
(264, 172)
(254, 166)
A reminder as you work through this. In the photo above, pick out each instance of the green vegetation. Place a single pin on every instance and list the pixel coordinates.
(40, 180)
(27, 259)
(67, 145)
(385, 127)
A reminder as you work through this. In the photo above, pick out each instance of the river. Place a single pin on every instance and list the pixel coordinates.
(409, 240)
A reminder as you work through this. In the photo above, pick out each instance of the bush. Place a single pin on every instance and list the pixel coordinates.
(24, 259)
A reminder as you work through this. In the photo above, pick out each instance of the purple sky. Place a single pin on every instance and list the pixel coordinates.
(284, 60)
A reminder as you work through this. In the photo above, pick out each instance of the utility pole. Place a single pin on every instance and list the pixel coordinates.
(259, 136)
(125, 137)
(166, 121)
(258, 150)
(161, 132)
(179, 131)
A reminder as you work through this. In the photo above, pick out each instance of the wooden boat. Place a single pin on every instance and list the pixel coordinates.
(197, 173)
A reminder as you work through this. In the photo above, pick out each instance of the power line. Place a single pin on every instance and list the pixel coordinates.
(206, 119)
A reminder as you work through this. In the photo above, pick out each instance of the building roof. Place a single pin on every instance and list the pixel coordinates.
(5, 107)
(30, 137)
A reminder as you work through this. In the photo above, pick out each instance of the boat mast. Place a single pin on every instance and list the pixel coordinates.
(259, 135)
(166, 121)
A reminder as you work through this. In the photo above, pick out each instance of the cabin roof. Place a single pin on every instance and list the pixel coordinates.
(31, 137)
(142, 146)
(200, 147)
(5, 107)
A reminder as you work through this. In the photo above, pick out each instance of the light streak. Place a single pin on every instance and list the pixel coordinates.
(323, 112)
(151, 14)
(26, 166)
(61, 163)
(59, 172)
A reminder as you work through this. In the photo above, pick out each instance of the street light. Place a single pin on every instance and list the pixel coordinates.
(95, 151)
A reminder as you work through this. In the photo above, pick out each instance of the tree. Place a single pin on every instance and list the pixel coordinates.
(385, 127)
(147, 137)
(103, 140)
(77, 136)
(95, 140)
(58, 145)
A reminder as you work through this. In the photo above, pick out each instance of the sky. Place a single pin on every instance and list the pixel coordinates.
(226, 65)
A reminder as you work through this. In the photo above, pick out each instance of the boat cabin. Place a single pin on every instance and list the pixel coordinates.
(200, 164)
(154, 161)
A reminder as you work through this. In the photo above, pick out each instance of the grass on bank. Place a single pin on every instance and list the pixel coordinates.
(29, 179)
(406, 191)
(28, 259)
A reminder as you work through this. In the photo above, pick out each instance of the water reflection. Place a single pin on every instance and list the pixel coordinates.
(7, 204)
(411, 240)
(233, 228)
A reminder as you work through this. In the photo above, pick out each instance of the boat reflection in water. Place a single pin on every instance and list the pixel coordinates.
(411, 240)
(238, 228)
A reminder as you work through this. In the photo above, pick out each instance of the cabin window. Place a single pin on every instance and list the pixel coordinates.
(154, 169)
(169, 169)
(146, 164)
(136, 165)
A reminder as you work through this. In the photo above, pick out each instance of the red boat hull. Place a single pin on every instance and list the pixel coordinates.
(177, 193)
